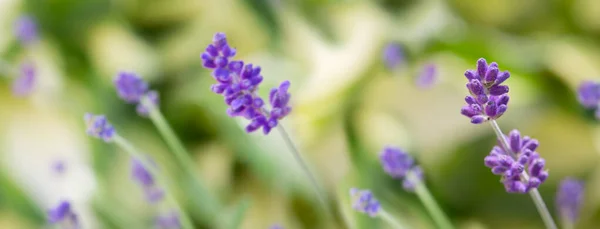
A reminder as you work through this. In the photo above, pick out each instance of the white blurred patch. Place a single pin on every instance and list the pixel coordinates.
(33, 141)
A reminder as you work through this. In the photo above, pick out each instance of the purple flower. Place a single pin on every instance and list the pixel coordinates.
(276, 227)
(398, 164)
(63, 214)
(428, 76)
(489, 98)
(588, 95)
(521, 159)
(146, 180)
(569, 199)
(25, 83)
(132, 88)
(168, 220)
(59, 166)
(99, 127)
(393, 55)
(26, 30)
(363, 201)
(238, 83)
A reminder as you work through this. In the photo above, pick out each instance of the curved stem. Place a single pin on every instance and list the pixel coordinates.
(130, 149)
(534, 193)
(387, 217)
(210, 205)
(429, 202)
(300, 160)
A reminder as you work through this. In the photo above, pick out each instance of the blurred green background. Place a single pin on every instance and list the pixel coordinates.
(347, 106)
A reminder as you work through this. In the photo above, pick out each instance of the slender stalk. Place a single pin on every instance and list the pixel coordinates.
(534, 193)
(387, 217)
(130, 149)
(300, 160)
(209, 204)
(429, 202)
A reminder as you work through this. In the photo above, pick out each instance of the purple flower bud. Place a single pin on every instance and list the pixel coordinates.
(428, 76)
(99, 127)
(25, 83)
(486, 92)
(130, 87)
(168, 220)
(63, 214)
(364, 201)
(26, 30)
(498, 90)
(478, 119)
(503, 76)
(393, 56)
(588, 94)
(471, 75)
(396, 162)
(481, 68)
(569, 199)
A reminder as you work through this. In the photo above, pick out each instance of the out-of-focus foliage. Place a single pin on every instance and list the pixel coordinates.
(347, 106)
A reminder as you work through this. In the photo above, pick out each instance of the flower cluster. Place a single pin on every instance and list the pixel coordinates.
(398, 164)
(588, 95)
(144, 178)
(238, 83)
(514, 163)
(488, 99)
(24, 84)
(132, 89)
(569, 199)
(63, 214)
(99, 127)
(364, 201)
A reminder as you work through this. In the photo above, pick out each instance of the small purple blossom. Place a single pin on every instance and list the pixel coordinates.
(99, 127)
(168, 220)
(132, 88)
(26, 30)
(146, 180)
(24, 84)
(364, 201)
(588, 95)
(569, 199)
(276, 227)
(238, 83)
(59, 166)
(512, 164)
(428, 76)
(63, 214)
(393, 55)
(489, 98)
(398, 164)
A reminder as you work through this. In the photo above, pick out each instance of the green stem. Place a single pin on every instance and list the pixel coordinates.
(130, 149)
(210, 205)
(296, 153)
(429, 202)
(534, 193)
(389, 219)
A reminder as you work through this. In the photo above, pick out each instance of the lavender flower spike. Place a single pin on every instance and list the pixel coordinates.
(398, 164)
(168, 220)
(144, 178)
(99, 127)
(588, 95)
(489, 98)
(238, 83)
(25, 83)
(363, 201)
(26, 30)
(569, 200)
(63, 214)
(393, 55)
(521, 159)
(132, 88)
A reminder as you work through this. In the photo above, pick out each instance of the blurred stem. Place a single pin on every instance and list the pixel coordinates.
(534, 193)
(389, 219)
(130, 149)
(429, 202)
(210, 205)
(317, 188)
